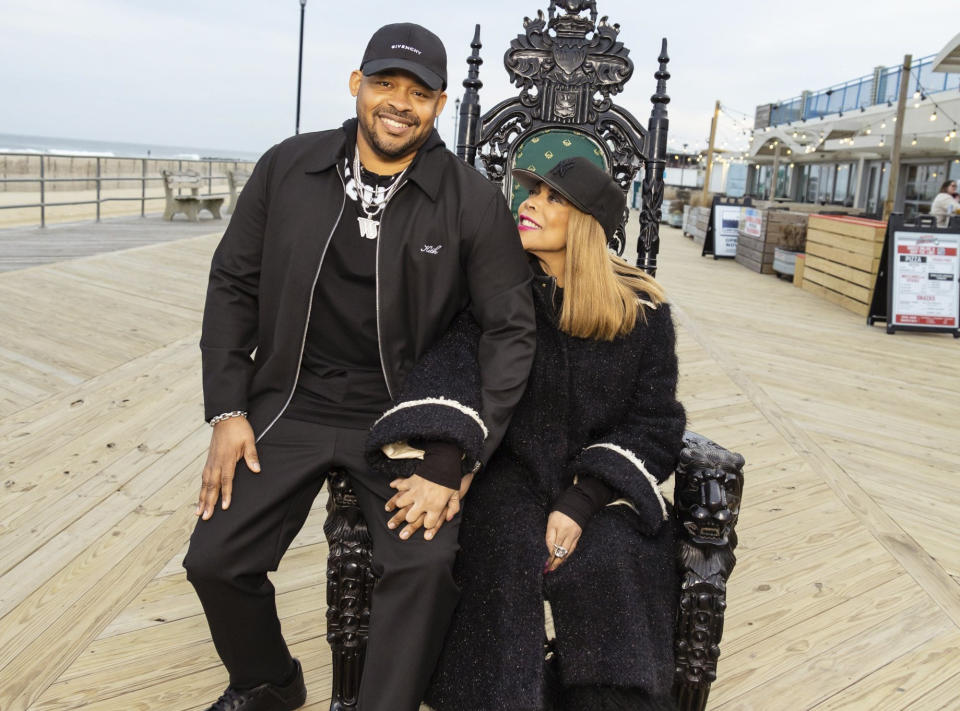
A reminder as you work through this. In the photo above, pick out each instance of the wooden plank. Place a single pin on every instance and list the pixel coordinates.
(863, 262)
(45, 633)
(762, 666)
(845, 243)
(903, 630)
(185, 643)
(858, 228)
(828, 281)
(904, 680)
(90, 513)
(945, 697)
(841, 271)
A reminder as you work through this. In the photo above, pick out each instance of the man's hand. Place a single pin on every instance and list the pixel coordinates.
(562, 531)
(231, 440)
(421, 503)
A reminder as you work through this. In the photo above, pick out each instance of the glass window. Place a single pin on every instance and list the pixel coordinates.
(827, 177)
(813, 181)
(843, 180)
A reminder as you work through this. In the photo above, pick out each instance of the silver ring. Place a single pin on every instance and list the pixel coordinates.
(559, 551)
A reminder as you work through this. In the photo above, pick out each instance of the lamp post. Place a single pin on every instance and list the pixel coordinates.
(456, 118)
(303, 7)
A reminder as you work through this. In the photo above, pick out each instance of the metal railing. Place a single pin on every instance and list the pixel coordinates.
(880, 87)
(99, 179)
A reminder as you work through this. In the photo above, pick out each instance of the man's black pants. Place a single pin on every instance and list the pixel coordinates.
(230, 555)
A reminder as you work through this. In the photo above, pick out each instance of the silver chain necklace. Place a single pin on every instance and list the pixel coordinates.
(369, 225)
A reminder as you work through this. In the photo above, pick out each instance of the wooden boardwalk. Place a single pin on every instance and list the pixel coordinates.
(847, 590)
(22, 247)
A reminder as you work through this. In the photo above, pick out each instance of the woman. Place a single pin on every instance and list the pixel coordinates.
(568, 508)
(945, 203)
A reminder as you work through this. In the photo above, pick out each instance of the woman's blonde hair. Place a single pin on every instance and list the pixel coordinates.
(603, 294)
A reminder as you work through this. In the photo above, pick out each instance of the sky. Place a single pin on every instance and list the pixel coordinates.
(223, 73)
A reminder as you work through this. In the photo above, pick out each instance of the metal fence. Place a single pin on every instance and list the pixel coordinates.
(883, 86)
(148, 174)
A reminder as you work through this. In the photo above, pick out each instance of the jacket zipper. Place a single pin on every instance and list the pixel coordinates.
(383, 365)
(306, 325)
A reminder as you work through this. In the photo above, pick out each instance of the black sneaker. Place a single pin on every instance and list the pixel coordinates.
(266, 697)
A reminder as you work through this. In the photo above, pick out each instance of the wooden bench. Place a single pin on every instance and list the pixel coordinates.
(191, 204)
(236, 179)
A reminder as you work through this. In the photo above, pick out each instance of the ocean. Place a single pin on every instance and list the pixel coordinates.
(12, 143)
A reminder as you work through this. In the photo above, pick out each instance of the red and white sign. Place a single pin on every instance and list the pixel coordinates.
(751, 221)
(924, 269)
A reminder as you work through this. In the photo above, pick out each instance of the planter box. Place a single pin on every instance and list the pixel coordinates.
(761, 231)
(697, 225)
(843, 255)
(784, 262)
(669, 213)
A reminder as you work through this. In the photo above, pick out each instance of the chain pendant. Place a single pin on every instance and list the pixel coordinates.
(369, 228)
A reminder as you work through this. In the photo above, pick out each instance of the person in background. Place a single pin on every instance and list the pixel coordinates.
(945, 203)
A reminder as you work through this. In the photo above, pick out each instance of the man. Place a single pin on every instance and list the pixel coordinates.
(349, 254)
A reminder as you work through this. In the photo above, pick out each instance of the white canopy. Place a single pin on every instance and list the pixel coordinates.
(949, 58)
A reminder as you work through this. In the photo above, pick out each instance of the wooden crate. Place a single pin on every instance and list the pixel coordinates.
(697, 224)
(757, 239)
(842, 258)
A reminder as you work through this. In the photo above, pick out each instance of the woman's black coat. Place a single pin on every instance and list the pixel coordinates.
(591, 408)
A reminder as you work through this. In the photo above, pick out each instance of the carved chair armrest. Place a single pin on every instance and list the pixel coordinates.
(707, 490)
(350, 581)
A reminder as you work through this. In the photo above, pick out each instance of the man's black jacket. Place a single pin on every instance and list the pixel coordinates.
(447, 242)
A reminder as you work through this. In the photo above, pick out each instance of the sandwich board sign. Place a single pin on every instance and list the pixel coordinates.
(921, 267)
(724, 227)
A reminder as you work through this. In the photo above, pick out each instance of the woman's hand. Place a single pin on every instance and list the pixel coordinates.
(562, 531)
(453, 508)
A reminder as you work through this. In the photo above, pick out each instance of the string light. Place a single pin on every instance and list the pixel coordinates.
(933, 116)
(914, 141)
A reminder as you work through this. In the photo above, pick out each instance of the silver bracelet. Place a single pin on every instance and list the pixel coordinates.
(227, 416)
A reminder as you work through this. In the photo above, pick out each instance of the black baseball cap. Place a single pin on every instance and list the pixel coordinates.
(409, 47)
(587, 186)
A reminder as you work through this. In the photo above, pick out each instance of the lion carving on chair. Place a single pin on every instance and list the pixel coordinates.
(707, 499)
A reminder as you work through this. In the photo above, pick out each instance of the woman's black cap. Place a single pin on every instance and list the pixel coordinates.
(409, 47)
(587, 186)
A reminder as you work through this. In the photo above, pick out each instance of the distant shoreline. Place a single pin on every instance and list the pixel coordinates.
(84, 148)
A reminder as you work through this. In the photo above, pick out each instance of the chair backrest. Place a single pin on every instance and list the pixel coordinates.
(568, 66)
(178, 180)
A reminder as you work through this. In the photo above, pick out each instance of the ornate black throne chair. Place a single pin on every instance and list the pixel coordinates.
(568, 66)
